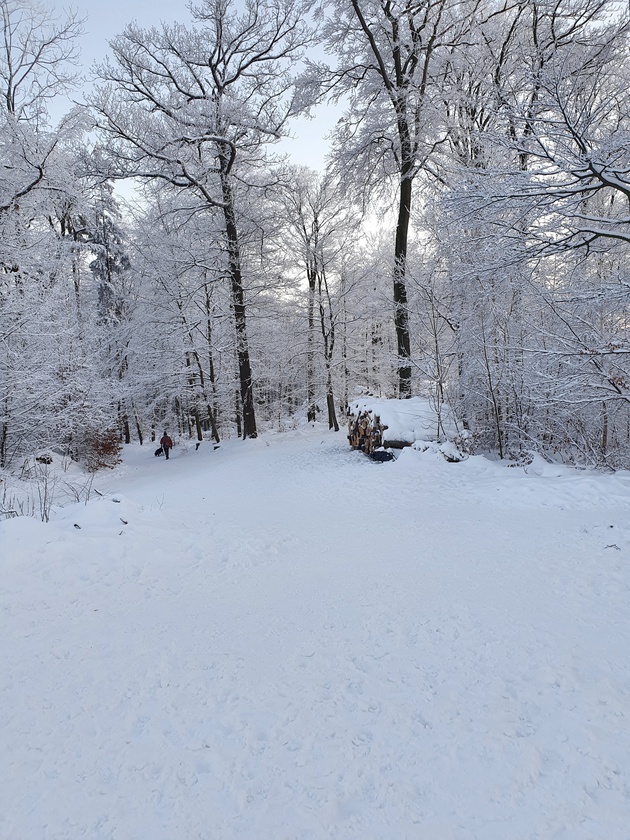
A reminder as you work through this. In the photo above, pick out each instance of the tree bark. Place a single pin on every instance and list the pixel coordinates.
(237, 412)
(401, 311)
(202, 383)
(330, 403)
(4, 434)
(138, 426)
(311, 411)
(238, 302)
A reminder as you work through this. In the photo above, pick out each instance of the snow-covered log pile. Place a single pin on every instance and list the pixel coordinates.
(364, 431)
(374, 423)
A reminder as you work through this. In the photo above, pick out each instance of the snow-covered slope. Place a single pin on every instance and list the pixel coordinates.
(284, 640)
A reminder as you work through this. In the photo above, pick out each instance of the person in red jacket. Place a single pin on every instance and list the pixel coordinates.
(167, 444)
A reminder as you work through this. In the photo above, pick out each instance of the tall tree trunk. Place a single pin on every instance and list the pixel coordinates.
(311, 412)
(401, 312)
(328, 335)
(238, 302)
(202, 382)
(344, 343)
(330, 401)
(212, 404)
(123, 419)
(4, 434)
(237, 413)
(138, 426)
(198, 424)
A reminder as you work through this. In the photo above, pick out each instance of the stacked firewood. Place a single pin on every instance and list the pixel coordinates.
(365, 432)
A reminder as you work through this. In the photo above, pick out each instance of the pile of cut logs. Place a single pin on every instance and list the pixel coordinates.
(365, 432)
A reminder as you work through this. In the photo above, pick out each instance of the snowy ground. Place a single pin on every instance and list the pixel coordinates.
(285, 641)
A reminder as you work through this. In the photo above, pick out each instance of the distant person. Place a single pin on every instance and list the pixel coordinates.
(167, 444)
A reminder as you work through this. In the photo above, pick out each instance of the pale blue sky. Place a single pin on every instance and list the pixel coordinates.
(105, 20)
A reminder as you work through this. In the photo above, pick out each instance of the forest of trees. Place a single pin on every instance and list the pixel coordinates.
(469, 240)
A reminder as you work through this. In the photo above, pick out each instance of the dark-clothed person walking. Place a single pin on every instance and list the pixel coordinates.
(167, 444)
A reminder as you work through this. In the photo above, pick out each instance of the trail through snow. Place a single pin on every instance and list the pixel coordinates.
(282, 640)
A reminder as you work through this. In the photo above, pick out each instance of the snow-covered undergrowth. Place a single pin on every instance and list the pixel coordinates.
(282, 639)
(42, 484)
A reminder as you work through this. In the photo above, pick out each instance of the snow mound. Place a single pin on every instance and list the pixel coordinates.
(408, 420)
(447, 450)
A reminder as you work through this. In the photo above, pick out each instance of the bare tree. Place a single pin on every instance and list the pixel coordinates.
(560, 124)
(38, 57)
(537, 225)
(38, 54)
(320, 226)
(391, 56)
(194, 107)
